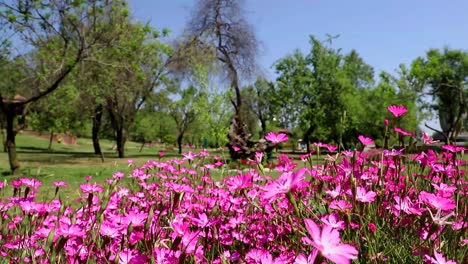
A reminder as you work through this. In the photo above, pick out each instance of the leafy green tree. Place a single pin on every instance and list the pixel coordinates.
(326, 94)
(184, 113)
(294, 78)
(443, 75)
(133, 88)
(92, 78)
(53, 116)
(389, 91)
(316, 87)
(144, 129)
(214, 114)
(63, 33)
(260, 101)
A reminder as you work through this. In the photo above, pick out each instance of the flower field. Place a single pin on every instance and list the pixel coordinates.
(394, 207)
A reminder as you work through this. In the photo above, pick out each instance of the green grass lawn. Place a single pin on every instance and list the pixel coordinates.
(71, 163)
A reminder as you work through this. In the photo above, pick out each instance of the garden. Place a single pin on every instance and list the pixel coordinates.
(125, 144)
(398, 207)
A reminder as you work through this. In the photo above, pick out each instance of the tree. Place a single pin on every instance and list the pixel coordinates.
(319, 90)
(53, 116)
(60, 31)
(14, 73)
(144, 130)
(390, 90)
(294, 78)
(443, 75)
(218, 30)
(260, 101)
(133, 86)
(184, 114)
(323, 93)
(213, 113)
(92, 78)
(153, 121)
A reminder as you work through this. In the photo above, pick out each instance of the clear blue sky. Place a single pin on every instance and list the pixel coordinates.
(384, 32)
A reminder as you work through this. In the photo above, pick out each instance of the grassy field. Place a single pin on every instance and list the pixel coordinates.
(70, 163)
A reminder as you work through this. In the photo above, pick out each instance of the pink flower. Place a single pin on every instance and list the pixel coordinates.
(331, 148)
(136, 218)
(109, 230)
(302, 259)
(328, 242)
(204, 153)
(16, 183)
(201, 221)
(29, 207)
(33, 183)
(118, 175)
(397, 110)
(276, 138)
(259, 157)
(444, 190)
(439, 259)
(403, 132)
(393, 152)
(304, 157)
(235, 148)
(131, 256)
(59, 184)
(67, 230)
(437, 202)
(255, 255)
(91, 188)
(365, 140)
(320, 144)
(363, 196)
(88, 177)
(285, 183)
(268, 259)
(340, 205)
(189, 156)
(333, 221)
(452, 148)
(405, 205)
(428, 140)
(372, 227)
(239, 182)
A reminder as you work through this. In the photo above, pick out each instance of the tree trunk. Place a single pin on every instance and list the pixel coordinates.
(142, 146)
(97, 117)
(238, 135)
(239, 138)
(10, 143)
(263, 126)
(51, 139)
(306, 141)
(179, 142)
(307, 138)
(3, 138)
(121, 138)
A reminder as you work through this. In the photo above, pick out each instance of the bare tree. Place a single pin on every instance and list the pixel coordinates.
(219, 30)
